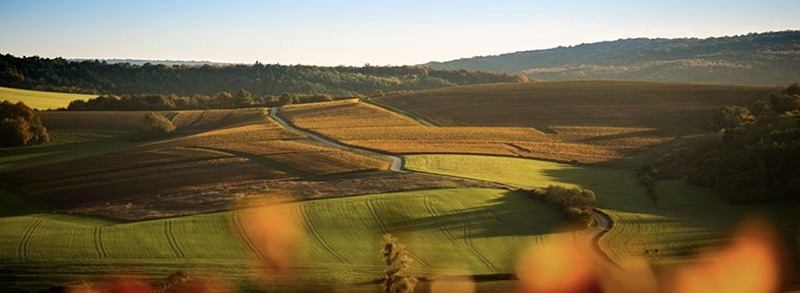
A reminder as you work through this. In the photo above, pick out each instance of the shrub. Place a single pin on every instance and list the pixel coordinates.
(155, 126)
(20, 125)
(574, 204)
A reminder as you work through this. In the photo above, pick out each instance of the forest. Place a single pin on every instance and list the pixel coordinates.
(100, 77)
(757, 159)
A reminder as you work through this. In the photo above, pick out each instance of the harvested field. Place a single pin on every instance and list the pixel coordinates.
(665, 106)
(371, 127)
(197, 121)
(330, 115)
(307, 157)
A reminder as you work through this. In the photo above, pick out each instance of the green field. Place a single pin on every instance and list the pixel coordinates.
(464, 231)
(688, 218)
(39, 99)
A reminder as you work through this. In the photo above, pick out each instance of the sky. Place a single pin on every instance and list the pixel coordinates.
(360, 32)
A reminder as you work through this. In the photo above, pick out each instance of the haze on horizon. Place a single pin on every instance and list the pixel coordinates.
(359, 32)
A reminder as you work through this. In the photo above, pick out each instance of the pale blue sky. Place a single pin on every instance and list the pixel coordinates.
(359, 32)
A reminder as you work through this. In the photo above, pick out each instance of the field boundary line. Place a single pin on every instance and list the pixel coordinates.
(263, 161)
(237, 221)
(398, 111)
(317, 236)
(22, 251)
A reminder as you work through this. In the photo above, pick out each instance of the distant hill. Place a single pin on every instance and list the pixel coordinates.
(154, 62)
(771, 58)
(98, 77)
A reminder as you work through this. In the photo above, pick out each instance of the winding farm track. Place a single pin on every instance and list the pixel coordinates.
(396, 161)
(604, 222)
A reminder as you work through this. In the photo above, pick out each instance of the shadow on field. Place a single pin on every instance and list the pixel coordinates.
(513, 214)
(14, 202)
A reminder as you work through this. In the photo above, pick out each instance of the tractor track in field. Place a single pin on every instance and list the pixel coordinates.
(168, 226)
(97, 234)
(22, 251)
(312, 227)
(605, 223)
(435, 215)
(237, 222)
(467, 233)
(385, 230)
(471, 246)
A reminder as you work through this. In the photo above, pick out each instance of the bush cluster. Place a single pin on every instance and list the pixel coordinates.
(20, 125)
(575, 204)
(155, 126)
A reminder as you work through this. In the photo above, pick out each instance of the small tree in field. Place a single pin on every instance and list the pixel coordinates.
(396, 257)
(155, 126)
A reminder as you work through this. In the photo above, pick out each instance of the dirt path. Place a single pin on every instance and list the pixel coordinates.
(604, 222)
(396, 161)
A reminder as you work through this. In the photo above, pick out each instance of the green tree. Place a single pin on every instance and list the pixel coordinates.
(243, 99)
(397, 260)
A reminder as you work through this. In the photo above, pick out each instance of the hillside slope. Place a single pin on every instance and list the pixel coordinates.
(666, 106)
(768, 58)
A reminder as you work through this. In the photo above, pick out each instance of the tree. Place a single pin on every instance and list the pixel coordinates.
(243, 99)
(397, 260)
(155, 126)
(20, 125)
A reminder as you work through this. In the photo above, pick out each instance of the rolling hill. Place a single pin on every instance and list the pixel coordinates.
(771, 58)
(665, 106)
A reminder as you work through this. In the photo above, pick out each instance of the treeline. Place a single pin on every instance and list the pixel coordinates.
(99, 77)
(758, 158)
(221, 100)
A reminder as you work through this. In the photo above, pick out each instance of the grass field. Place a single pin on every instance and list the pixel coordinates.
(469, 231)
(666, 106)
(39, 99)
(688, 218)
(369, 126)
